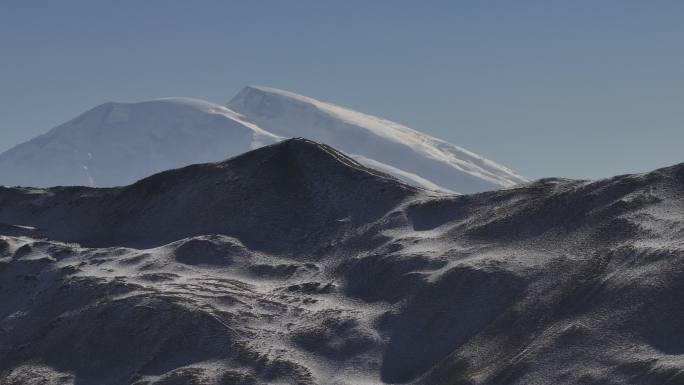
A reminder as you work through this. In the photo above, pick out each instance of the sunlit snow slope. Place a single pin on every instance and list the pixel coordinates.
(387, 144)
(119, 143)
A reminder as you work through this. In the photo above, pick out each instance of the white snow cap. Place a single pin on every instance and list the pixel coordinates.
(119, 143)
(418, 155)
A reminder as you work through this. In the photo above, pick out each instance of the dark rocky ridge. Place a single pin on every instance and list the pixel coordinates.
(270, 198)
(294, 264)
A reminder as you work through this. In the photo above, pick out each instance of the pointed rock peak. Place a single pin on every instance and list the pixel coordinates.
(290, 165)
(309, 159)
(277, 197)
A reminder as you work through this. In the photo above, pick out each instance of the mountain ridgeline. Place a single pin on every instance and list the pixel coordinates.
(295, 264)
(272, 198)
(116, 144)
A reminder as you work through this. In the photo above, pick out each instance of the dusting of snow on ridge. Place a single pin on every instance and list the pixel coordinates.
(294, 264)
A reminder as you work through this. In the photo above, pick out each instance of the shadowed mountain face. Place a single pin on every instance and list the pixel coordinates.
(294, 264)
(272, 199)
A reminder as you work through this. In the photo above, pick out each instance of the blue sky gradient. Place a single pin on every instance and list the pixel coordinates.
(579, 89)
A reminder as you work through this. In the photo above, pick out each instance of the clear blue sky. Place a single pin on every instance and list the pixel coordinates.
(579, 89)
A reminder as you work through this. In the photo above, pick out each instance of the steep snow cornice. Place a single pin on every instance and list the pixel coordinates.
(449, 166)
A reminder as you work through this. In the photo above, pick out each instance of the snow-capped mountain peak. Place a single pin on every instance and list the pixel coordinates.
(387, 143)
(118, 143)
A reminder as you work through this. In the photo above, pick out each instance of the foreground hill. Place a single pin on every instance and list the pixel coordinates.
(119, 143)
(294, 264)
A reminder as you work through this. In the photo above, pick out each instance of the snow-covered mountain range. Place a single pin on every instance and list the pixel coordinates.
(295, 264)
(411, 155)
(118, 143)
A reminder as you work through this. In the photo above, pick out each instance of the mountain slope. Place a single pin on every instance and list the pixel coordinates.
(118, 143)
(444, 164)
(293, 264)
(324, 190)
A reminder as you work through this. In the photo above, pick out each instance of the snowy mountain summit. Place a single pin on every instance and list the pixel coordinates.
(118, 143)
(411, 155)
